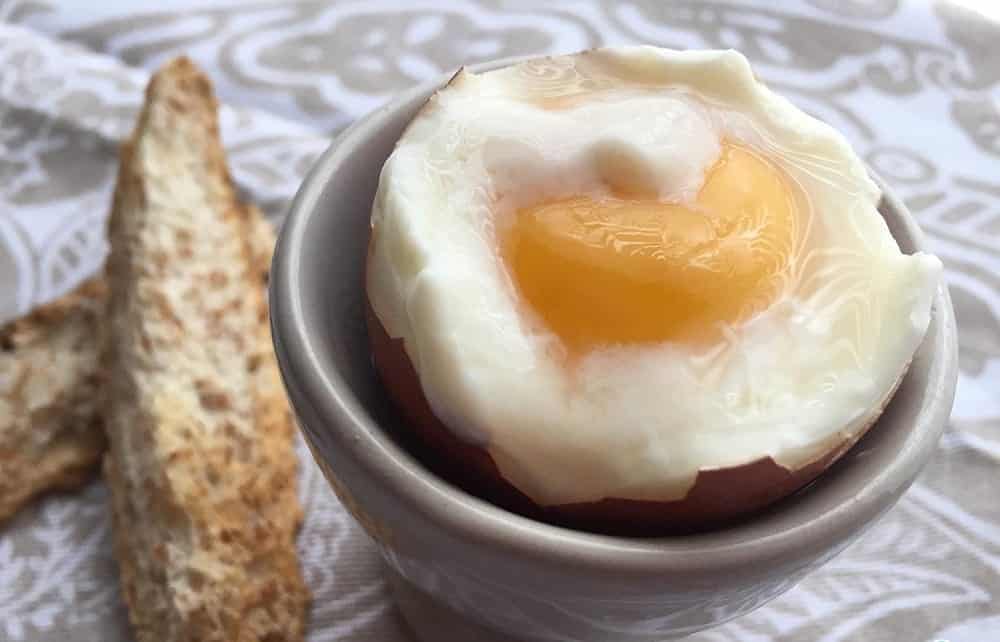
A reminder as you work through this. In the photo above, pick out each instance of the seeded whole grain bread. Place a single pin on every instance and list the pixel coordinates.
(50, 429)
(201, 463)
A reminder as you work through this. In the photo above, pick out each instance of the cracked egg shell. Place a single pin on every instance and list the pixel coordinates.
(634, 291)
(716, 498)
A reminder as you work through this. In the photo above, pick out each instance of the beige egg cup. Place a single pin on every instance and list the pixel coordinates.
(464, 570)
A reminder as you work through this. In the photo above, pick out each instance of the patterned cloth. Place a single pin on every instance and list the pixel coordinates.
(915, 86)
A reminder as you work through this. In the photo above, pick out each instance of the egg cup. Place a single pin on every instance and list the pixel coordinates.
(463, 569)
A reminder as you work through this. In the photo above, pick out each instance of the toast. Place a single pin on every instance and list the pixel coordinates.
(51, 433)
(201, 463)
(50, 430)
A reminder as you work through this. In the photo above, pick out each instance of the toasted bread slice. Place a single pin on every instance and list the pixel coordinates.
(50, 432)
(201, 463)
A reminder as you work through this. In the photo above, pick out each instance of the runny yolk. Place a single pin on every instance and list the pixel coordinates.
(626, 270)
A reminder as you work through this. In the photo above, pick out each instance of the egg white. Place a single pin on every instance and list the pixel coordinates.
(634, 421)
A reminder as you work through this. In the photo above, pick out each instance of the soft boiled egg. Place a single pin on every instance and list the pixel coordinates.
(635, 291)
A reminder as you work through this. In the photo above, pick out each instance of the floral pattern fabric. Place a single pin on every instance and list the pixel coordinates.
(915, 86)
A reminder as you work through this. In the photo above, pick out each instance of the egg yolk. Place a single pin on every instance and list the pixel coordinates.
(622, 269)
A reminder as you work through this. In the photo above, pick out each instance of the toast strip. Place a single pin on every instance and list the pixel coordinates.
(201, 463)
(50, 430)
(51, 433)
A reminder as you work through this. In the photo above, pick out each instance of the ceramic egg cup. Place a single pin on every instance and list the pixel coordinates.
(464, 570)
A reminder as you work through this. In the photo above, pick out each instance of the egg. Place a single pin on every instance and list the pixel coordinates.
(633, 290)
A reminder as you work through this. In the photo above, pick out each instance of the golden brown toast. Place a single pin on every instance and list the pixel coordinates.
(201, 463)
(51, 434)
(50, 431)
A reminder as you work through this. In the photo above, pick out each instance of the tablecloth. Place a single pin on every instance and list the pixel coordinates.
(913, 85)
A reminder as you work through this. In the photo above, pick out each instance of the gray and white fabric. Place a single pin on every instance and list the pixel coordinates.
(914, 85)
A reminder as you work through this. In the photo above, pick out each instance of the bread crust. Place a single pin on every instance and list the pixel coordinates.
(201, 466)
(50, 430)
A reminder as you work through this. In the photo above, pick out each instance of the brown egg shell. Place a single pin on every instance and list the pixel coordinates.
(717, 497)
